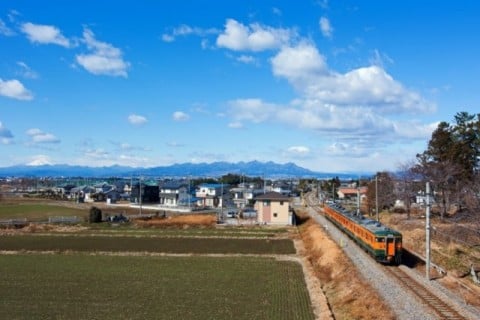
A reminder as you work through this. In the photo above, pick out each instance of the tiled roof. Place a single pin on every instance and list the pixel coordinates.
(272, 196)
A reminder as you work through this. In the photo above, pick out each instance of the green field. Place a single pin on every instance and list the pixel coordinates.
(124, 287)
(92, 243)
(51, 272)
(37, 211)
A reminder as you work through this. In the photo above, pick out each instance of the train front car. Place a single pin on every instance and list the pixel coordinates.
(387, 245)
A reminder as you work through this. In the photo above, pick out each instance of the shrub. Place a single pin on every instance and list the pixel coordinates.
(95, 215)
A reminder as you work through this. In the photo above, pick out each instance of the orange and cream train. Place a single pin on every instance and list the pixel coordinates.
(382, 243)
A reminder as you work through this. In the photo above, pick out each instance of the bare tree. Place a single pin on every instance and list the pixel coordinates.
(382, 184)
(407, 185)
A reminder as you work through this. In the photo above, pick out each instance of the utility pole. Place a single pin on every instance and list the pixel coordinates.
(376, 197)
(140, 193)
(221, 204)
(188, 195)
(427, 232)
(333, 190)
(358, 198)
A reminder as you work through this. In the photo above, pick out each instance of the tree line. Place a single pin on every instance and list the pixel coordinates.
(450, 164)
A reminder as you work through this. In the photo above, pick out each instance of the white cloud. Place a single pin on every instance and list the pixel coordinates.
(246, 59)
(6, 136)
(14, 89)
(277, 11)
(4, 30)
(44, 34)
(323, 4)
(415, 130)
(186, 30)
(103, 157)
(358, 149)
(235, 125)
(168, 38)
(38, 136)
(137, 120)
(299, 63)
(325, 27)
(305, 68)
(255, 37)
(97, 153)
(26, 71)
(380, 59)
(104, 58)
(133, 161)
(40, 160)
(180, 116)
(298, 151)
(175, 144)
(254, 110)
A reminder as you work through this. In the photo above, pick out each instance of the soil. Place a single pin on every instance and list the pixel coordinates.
(340, 281)
(455, 246)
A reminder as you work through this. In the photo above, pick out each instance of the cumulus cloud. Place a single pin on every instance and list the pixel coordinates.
(255, 37)
(357, 108)
(14, 89)
(325, 27)
(302, 62)
(6, 136)
(44, 34)
(180, 116)
(104, 58)
(38, 136)
(137, 120)
(306, 69)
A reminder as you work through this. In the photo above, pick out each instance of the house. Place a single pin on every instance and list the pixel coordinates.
(211, 195)
(273, 208)
(82, 193)
(145, 192)
(243, 195)
(281, 187)
(351, 193)
(174, 193)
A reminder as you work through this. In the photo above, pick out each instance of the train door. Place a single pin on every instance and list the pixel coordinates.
(390, 246)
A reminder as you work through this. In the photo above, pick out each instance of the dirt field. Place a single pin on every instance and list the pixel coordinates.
(453, 256)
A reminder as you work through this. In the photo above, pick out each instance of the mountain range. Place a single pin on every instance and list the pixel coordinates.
(215, 169)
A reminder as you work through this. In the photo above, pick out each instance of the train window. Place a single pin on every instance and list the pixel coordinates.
(380, 239)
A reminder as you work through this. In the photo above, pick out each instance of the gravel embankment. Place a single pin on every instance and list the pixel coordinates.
(403, 303)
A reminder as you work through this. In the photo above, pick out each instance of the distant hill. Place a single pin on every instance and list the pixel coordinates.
(216, 169)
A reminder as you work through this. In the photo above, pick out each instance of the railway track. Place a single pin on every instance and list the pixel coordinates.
(441, 308)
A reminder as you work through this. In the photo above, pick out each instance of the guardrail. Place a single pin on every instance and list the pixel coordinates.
(14, 222)
(67, 219)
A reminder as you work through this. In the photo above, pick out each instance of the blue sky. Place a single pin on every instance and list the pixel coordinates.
(329, 85)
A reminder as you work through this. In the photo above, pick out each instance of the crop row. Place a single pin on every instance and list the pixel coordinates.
(97, 243)
(139, 287)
